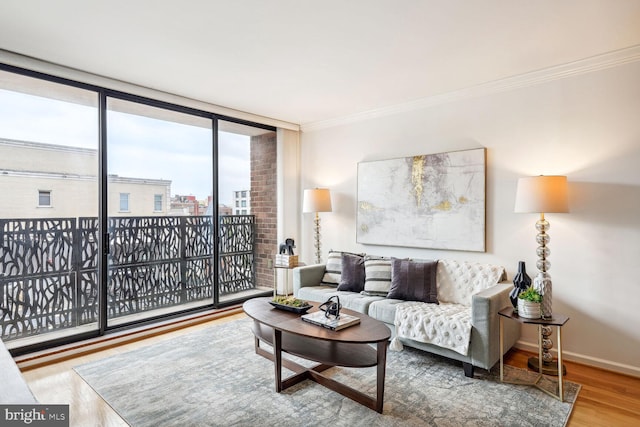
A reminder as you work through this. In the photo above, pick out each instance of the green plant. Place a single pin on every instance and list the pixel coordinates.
(530, 294)
(290, 301)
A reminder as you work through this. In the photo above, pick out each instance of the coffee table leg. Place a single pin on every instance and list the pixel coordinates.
(501, 351)
(382, 364)
(277, 358)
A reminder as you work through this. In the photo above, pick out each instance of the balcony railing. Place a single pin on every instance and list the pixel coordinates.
(49, 267)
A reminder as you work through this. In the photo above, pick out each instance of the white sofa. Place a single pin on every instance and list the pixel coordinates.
(472, 293)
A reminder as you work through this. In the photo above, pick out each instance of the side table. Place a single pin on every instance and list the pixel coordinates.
(558, 320)
(286, 279)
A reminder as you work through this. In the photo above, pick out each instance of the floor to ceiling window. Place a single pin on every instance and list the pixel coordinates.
(119, 209)
(49, 206)
(247, 192)
(159, 188)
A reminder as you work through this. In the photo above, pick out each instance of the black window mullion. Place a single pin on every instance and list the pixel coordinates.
(103, 273)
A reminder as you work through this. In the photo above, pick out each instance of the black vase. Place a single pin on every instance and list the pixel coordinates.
(520, 283)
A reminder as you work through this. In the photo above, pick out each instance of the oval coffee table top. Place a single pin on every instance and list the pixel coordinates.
(369, 330)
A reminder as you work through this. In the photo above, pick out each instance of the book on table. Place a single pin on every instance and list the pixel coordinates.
(334, 323)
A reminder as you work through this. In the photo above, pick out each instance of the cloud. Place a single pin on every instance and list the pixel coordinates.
(137, 146)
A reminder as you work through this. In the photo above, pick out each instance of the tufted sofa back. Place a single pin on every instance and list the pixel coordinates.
(457, 281)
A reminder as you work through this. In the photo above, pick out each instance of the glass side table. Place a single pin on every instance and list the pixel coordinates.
(558, 320)
(286, 269)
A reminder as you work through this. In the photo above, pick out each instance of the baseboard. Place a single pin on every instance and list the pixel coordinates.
(608, 365)
(59, 354)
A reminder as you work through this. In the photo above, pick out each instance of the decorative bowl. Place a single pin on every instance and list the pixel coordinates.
(294, 309)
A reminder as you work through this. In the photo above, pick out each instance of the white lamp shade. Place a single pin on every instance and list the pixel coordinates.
(316, 200)
(542, 194)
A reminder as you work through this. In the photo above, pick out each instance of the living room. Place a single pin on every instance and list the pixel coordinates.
(545, 89)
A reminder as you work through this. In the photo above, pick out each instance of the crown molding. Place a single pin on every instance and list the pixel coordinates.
(583, 66)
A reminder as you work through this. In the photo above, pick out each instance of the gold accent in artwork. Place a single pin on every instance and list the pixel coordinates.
(445, 205)
(417, 174)
(366, 206)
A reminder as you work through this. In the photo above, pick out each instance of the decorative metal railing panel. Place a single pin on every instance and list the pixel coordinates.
(237, 253)
(49, 267)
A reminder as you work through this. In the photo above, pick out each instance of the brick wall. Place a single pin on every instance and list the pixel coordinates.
(264, 204)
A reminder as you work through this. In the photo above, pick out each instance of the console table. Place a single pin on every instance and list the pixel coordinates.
(558, 320)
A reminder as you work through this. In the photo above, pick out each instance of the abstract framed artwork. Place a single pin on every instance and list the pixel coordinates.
(434, 201)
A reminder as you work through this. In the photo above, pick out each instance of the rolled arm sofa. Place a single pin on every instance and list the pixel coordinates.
(459, 322)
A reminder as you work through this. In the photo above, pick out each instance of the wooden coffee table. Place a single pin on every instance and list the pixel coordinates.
(349, 347)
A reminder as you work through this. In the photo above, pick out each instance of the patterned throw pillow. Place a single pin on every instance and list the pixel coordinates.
(377, 280)
(414, 280)
(333, 269)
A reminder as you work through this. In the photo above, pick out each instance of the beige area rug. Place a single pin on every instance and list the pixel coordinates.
(213, 378)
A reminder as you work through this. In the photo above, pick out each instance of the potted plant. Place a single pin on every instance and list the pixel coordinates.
(529, 303)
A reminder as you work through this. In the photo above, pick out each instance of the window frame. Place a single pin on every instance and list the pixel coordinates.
(127, 200)
(157, 201)
(49, 194)
(102, 236)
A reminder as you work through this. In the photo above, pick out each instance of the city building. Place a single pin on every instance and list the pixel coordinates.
(40, 180)
(242, 202)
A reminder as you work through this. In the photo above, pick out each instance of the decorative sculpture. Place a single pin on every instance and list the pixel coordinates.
(286, 248)
(330, 307)
(521, 282)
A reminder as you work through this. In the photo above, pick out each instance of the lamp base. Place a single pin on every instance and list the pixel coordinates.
(547, 369)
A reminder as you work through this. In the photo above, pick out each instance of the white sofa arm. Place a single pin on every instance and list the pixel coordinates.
(308, 275)
(485, 338)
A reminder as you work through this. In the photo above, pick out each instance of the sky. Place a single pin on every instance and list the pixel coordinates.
(138, 146)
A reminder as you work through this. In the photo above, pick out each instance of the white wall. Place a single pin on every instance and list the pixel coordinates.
(587, 127)
(289, 198)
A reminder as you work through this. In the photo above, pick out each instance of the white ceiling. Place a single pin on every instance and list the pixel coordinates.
(306, 61)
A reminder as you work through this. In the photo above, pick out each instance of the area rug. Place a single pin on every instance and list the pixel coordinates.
(213, 377)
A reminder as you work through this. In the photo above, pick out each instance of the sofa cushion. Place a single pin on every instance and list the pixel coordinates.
(413, 280)
(458, 281)
(351, 300)
(333, 269)
(352, 273)
(384, 310)
(377, 279)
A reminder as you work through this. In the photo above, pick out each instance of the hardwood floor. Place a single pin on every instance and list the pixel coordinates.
(606, 398)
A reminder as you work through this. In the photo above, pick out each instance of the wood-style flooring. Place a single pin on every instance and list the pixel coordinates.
(606, 398)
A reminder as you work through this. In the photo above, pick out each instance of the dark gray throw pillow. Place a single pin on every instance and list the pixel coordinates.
(352, 274)
(414, 280)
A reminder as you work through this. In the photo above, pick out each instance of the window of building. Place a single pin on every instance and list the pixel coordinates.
(237, 203)
(244, 194)
(244, 211)
(244, 203)
(124, 202)
(157, 202)
(44, 198)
